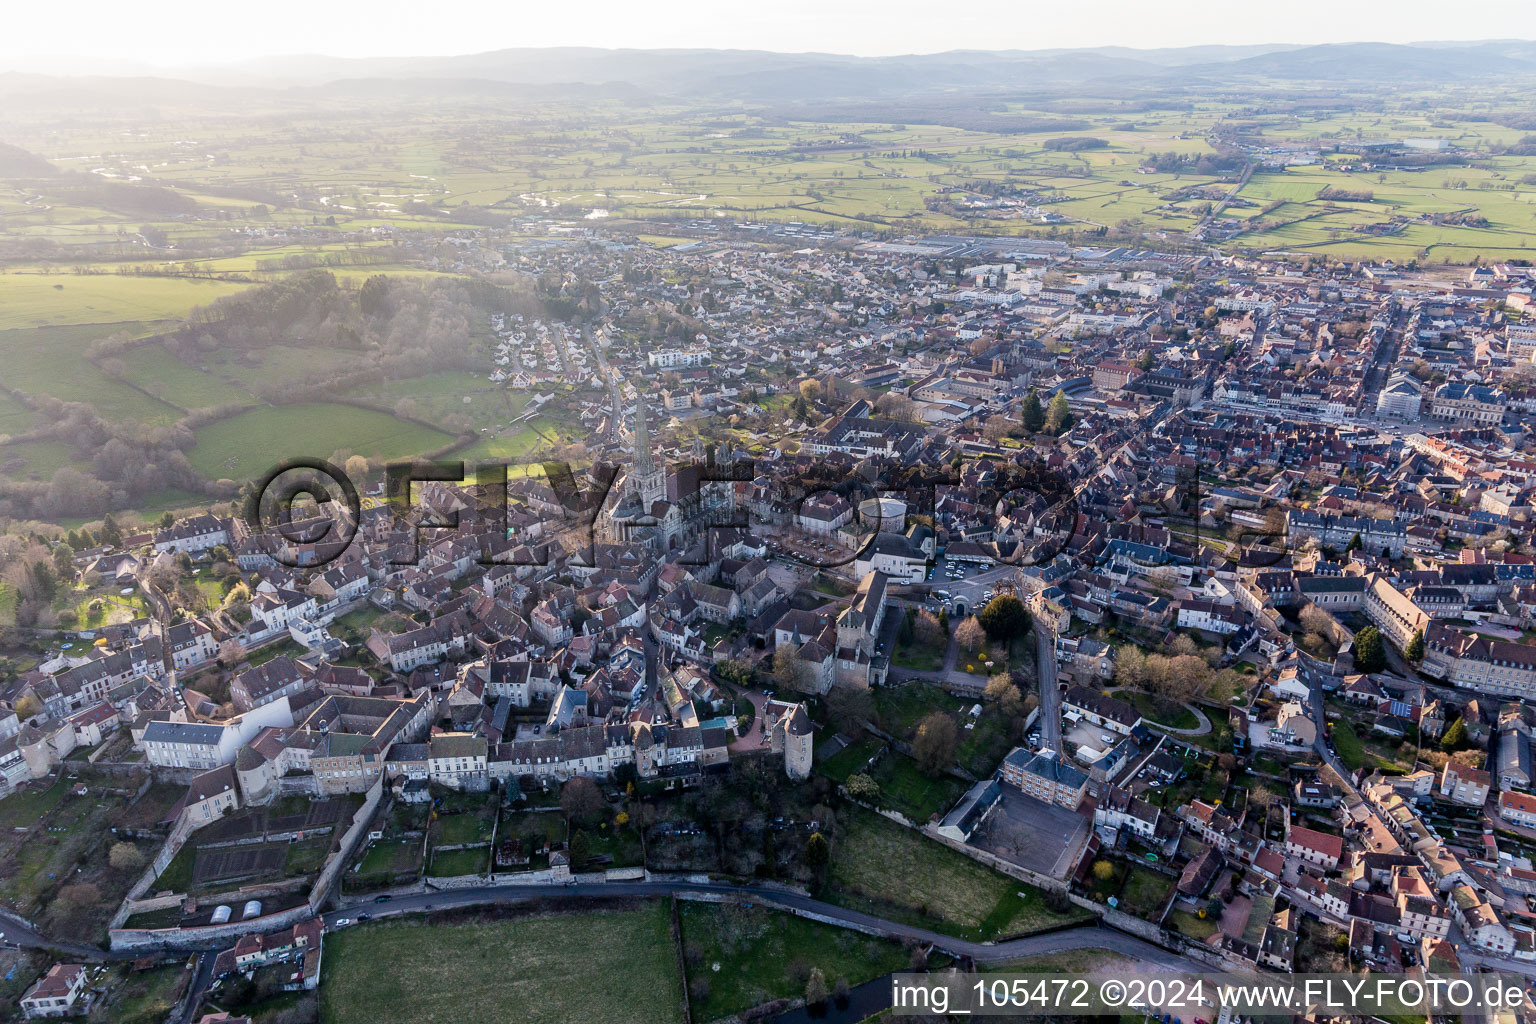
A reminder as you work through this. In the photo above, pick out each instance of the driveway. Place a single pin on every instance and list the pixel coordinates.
(753, 740)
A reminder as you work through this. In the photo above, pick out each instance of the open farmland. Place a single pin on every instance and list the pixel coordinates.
(52, 361)
(47, 300)
(122, 256)
(251, 443)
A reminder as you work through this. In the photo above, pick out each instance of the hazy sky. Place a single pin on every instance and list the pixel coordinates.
(171, 32)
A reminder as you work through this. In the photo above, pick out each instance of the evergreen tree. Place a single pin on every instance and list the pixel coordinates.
(1415, 651)
(1058, 417)
(111, 534)
(1455, 737)
(817, 851)
(1004, 618)
(1370, 650)
(1032, 416)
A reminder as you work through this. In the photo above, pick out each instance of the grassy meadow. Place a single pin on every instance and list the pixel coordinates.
(251, 443)
(596, 967)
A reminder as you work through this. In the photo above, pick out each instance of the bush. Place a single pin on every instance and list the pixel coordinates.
(862, 787)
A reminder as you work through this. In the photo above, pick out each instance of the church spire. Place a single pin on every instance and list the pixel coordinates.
(645, 465)
(647, 480)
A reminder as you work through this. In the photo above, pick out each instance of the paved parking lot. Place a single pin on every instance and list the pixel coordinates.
(1032, 834)
(970, 588)
(1084, 734)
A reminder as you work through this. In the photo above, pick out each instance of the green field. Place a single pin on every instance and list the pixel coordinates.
(14, 416)
(251, 443)
(739, 958)
(881, 867)
(160, 373)
(43, 300)
(605, 967)
(52, 361)
(36, 460)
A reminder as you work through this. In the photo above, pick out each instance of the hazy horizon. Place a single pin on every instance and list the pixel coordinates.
(176, 34)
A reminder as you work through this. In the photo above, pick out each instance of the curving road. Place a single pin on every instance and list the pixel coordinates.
(1088, 936)
(18, 931)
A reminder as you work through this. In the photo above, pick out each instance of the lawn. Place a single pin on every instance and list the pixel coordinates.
(918, 657)
(607, 967)
(1347, 742)
(1175, 717)
(147, 997)
(460, 829)
(472, 861)
(1072, 961)
(850, 759)
(28, 805)
(1144, 891)
(905, 788)
(389, 856)
(251, 443)
(976, 663)
(898, 709)
(739, 958)
(881, 867)
(1185, 923)
(984, 745)
(621, 846)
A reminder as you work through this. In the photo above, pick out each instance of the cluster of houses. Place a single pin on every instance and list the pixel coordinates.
(1265, 459)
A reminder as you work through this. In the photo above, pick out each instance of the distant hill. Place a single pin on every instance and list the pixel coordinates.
(774, 79)
(16, 162)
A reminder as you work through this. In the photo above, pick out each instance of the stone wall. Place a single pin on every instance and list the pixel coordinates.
(355, 835)
(206, 935)
(1007, 867)
(167, 853)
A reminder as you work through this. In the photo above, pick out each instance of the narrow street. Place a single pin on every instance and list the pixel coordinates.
(1050, 688)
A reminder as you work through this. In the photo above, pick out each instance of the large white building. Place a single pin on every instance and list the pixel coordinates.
(1402, 396)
